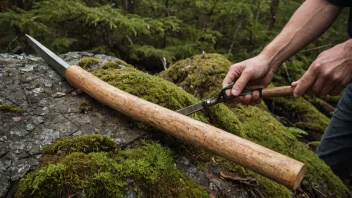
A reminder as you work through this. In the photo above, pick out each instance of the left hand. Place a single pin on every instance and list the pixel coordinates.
(329, 74)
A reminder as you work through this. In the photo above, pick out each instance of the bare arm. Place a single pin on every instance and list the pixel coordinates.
(311, 20)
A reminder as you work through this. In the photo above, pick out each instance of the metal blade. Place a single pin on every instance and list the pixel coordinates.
(191, 109)
(54, 61)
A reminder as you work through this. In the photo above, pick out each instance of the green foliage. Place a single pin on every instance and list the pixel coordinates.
(297, 132)
(147, 31)
(99, 173)
(9, 107)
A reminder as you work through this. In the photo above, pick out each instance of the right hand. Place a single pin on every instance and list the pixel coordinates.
(253, 73)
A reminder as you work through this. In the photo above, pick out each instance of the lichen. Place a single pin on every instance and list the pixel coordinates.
(259, 126)
(86, 62)
(9, 107)
(102, 173)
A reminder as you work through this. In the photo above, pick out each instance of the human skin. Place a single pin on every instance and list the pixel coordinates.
(310, 20)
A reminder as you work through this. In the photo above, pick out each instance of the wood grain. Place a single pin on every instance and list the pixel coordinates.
(277, 91)
(280, 168)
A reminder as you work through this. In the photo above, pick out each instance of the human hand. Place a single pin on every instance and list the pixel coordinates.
(329, 74)
(252, 73)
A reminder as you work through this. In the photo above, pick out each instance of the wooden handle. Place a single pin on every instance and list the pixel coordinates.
(277, 92)
(273, 165)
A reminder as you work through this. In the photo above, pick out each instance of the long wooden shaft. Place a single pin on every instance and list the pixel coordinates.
(273, 165)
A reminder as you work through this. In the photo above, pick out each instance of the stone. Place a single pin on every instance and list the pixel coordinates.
(16, 119)
(30, 127)
(58, 95)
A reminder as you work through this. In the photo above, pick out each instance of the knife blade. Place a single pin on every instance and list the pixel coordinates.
(199, 106)
(49, 57)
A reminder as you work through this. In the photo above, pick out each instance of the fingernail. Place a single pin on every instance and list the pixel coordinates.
(235, 92)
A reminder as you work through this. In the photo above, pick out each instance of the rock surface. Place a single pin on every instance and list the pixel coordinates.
(52, 109)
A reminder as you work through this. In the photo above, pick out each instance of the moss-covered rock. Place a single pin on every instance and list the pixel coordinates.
(83, 144)
(259, 126)
(85, 62)
(9, 107)
(301, 113)
(117, 64)
(199, 75)
(102, 173)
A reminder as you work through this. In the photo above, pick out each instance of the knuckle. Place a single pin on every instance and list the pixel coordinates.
(316, 66)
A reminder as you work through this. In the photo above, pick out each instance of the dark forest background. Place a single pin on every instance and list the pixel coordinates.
(152, 34)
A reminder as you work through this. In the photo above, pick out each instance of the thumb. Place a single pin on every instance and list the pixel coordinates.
(240, 84)
(304, 83)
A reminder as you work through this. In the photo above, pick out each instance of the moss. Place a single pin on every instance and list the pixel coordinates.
(201, 81)
(259, 126)
(302, 113)
(109, 174)
(9, 107)
(151, 88)
(86, 62)
(117, 64)
(84, 143)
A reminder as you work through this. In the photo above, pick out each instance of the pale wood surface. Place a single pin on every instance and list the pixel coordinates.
(273, 165)
(277, 91)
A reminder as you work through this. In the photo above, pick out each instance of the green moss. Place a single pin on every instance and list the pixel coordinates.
(9, 107)
(151, 88)
(109, 174)
(302, 113)
(259, 126)
(86, 62)
(84, 143)
(117, 64)
(199, 75)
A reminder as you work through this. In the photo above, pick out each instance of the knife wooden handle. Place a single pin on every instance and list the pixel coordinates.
(280, 168)
(277, 92)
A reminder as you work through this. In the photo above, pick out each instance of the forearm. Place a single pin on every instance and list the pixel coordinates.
(311, 20)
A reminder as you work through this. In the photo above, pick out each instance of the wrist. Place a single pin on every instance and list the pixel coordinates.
(271, 56)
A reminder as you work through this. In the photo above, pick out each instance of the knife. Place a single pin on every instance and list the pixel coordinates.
(223, 97)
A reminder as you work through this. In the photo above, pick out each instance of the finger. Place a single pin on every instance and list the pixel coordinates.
(231, 75)
(240, 84)
(256, 96)
(247, 99)
(294, 84)
(328, 87)
(318, 85)
(304, 83)
(336, 90)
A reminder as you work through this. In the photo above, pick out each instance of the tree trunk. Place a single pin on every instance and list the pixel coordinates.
(273, 9)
